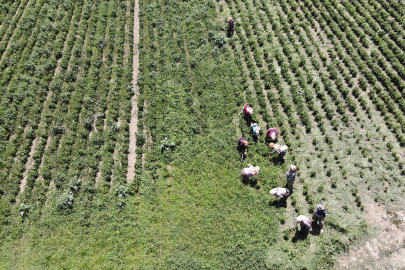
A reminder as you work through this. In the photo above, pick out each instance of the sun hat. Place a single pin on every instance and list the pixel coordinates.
(293, 168)
(257, 168)
(273, 135)
(271, 145)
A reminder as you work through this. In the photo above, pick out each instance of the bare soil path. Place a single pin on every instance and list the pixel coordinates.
(133, 126)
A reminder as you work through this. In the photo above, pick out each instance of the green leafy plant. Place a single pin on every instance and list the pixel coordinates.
(167, 144)
(24, 209)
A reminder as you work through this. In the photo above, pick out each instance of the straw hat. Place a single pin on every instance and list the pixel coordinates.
(271, 145)
(293, 168)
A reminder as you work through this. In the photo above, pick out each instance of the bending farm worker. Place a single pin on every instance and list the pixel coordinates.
(255, 129)
(280, 149)
(319, 215)
(247, 112)
(291, 174)
(282, 193)
(305, 223)
(242, 145)
(249, 172)
(272, 133)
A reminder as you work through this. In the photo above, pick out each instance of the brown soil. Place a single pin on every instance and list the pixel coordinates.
(382, 250)
(133, 127)
(29, 164)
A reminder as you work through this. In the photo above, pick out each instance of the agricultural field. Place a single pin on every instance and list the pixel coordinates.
(119, 122)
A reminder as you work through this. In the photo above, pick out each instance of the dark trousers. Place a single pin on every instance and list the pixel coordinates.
(231, 29)
(305, 230)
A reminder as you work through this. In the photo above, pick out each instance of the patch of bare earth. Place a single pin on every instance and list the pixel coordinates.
(133, 126)
(29, 164)
(383, 250)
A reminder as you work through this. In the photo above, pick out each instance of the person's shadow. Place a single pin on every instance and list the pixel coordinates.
(316, 229)
(299, 236)
(250, 181)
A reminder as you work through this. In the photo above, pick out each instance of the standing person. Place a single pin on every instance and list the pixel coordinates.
(255, 130)
(271, 134)
(231, 27)
(283, 193)
(319, 215)
(249, 172)
(280, 149)
(291, 174)
(247, 113)
(305, 223)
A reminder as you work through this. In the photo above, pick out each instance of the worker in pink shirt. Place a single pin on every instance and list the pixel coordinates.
(271, 134)
(249, 172)
(282, 193)
(247, 113)
(306, 224)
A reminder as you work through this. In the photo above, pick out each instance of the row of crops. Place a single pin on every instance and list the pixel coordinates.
(65, 95)
(66, 88)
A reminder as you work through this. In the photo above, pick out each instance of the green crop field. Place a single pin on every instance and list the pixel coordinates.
(105, 168)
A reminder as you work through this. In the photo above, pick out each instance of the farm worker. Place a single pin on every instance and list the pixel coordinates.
(320, 214)
(247, 112)
(255, 130)
(291, 174)
(305, 223)
(280, 149)
(283, 193)
(272, 133)
(231, 26)
(248, 172)
(242, 145)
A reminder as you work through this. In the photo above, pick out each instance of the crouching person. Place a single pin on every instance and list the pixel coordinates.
(280, 149)
(305, 223)
(282, 193)
(249, 172)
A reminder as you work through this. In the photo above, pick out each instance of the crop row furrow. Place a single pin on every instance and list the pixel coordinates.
(8, 32)
(58, 94)
(386, 46)
(31, 105)
(303, 75)
(356, 59)
(54, 106)
(254, 62)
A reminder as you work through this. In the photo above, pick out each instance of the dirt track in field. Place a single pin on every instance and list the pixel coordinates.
(133, 127)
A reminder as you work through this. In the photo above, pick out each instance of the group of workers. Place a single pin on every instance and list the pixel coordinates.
(282, 193)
